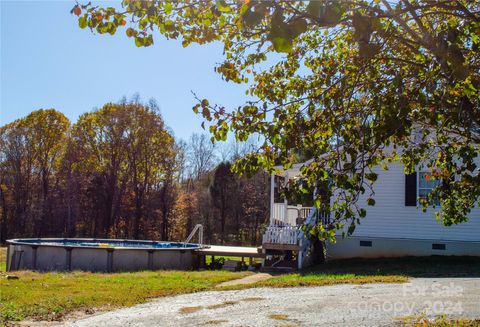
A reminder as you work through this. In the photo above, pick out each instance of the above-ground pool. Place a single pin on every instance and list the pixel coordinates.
(47, 254)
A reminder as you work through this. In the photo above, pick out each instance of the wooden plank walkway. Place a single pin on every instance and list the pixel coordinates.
(231, 251)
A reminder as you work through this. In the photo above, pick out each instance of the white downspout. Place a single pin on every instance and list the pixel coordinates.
(272, 197)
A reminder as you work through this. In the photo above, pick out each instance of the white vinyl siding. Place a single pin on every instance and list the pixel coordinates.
(390, 218)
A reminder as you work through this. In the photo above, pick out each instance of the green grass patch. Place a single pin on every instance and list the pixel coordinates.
(208, 258)
(50, 296)
(441, 321)
(319, 279)
(450, 323)
(3, 259)
(433, 266)
(221, 259)
(363, 271)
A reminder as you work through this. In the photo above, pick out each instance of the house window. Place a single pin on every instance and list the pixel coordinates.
(426, 183)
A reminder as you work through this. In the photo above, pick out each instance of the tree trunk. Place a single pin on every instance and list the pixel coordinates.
(3, 225)
(138, 214)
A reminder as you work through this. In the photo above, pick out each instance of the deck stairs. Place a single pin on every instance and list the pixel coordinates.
(286, 247)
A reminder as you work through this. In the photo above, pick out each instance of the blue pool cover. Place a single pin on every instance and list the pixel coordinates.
(102, 243)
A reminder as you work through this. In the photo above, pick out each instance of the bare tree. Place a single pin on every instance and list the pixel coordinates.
(201, 155)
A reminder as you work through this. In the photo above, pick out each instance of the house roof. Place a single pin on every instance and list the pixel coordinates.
(294, 171)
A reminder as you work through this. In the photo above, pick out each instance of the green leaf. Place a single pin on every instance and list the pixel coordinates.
(327, 13)
(139, 41)
(252, 18)
(313, 7)
(351, 228)
(372, 177)
(168, 8)
(222, 6)
(282, 44)
(130, 32)
(298, 27)
(82, 22)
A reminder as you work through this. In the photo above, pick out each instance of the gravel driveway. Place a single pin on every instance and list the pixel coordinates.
(338, 305)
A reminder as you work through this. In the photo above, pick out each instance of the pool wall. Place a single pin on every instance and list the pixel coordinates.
(47, 257)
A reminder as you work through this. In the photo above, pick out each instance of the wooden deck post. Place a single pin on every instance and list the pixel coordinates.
(299, 259)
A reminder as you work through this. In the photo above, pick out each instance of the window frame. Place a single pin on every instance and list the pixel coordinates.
(423, 171)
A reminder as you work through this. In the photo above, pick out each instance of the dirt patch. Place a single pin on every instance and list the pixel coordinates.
(246, 280)
(58, 319)
(278, 316)
(253, 298)
(187, 310)
(215, 322)
(222, 305)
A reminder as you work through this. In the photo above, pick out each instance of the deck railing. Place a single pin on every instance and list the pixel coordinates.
(294, 214)
(288, 231)
(281, 235)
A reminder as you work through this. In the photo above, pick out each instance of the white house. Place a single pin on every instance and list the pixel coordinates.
(395, 226)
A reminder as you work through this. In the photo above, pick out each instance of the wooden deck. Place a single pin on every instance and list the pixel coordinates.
(231, 251)
(281, 247)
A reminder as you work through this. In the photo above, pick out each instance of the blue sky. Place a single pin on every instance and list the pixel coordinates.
(47, 61)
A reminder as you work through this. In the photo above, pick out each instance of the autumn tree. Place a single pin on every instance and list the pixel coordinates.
(185, 207)
(170, 191)
(353, 81)
(150, 159)
(125, 149)
(46, 136)
(31, 152)
(16, 174)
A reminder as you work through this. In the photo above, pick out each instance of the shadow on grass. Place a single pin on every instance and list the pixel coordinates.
(434, 266)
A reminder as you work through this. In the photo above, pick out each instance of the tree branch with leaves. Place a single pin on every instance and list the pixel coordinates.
(350, 83)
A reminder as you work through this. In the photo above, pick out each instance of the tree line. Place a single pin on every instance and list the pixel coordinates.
(118, 172)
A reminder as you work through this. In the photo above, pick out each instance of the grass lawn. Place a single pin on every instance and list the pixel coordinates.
(450, 323)
(361, 271)
(443, 321)
(49, 296)
(3, 258)
(208, 259)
